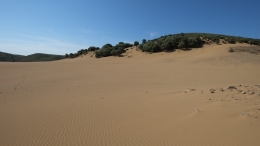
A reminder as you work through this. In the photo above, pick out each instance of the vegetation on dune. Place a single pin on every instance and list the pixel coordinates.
(105, 51)
(6, 57)
(81, 52)
(246, 49)
(230, 50)
(170, 42)
(184, 41)
(109, 50)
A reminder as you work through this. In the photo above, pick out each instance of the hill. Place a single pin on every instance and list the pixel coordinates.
(41, 57)
(7, 57)
(183, 41)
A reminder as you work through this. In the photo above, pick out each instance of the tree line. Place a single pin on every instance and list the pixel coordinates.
(81, 52)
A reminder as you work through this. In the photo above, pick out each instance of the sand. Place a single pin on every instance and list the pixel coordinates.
(162, 99)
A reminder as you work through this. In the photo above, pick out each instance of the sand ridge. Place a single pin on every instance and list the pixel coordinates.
(177, 98)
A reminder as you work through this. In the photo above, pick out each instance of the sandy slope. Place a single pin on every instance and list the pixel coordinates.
(146, 99)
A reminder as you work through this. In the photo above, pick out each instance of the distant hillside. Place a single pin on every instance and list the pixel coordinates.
(41, 57)
(6, 57)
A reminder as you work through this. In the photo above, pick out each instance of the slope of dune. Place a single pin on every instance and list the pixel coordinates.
(183, 98)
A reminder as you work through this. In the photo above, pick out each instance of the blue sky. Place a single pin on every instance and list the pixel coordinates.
(65, 26)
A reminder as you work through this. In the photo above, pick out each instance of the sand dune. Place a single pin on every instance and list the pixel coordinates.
(179, 98)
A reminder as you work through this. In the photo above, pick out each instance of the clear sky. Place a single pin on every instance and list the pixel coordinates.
(66, 26)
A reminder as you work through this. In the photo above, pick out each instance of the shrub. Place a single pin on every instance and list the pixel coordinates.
(71, 55)
(165, 46)
(182, 44)
(217, 41)
(136, 43)
(109, 50)
(107, 46)
(144, 41)
(92, 48)
(231, 50)
(66, 55)
(231, 41)
(140, 46)
(98, 54)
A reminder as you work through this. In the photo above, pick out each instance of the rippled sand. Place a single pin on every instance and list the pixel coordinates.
(178, 98)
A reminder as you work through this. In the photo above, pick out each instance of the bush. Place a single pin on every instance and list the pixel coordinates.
(165, 46)
(144, 41)
(182, 44)
(217, 41)
(140, 46)
(82, 52)
(231, 41)
(66, 55)
(98, 54)
(92, 48)
(109, 50)
(71, 55)
(136, 43)
(108, 46)
(231, 50)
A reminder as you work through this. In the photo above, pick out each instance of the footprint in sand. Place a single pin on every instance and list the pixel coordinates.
(212, 90)
(197, 110)
(247, 114)
(244, 113)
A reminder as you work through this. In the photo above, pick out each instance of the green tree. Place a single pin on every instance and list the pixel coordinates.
(107, 46)
(71, 55)
(144, 41)
(66, 55)
(92, 48)
(98, 54)
(80, 52)
(85, 51)
(136, 43)
(140, 46)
